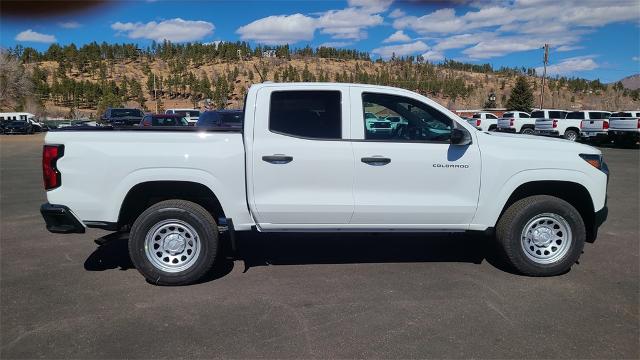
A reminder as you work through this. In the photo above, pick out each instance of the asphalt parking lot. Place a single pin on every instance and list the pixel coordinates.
(312, 296)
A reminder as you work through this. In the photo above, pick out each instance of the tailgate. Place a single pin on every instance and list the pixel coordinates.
(623, 123)
(504, 123)
(544, 124)
(593, 125)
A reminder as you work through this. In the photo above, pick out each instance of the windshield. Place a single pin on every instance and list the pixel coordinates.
(188, 113)
(126, 112)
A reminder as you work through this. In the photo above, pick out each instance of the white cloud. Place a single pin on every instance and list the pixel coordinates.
(32, 36)
(570, 65)
(176, 30)
(517, 25)
(70, 24)
(371, 6)
(433, 55)
(398, 36)
(396, 13)
(400, 50)
(279, 29)
(636, 58)
(569, 47)
(348, 23)
(335, 44)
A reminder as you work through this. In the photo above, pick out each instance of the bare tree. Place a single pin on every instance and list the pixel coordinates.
(15, 82)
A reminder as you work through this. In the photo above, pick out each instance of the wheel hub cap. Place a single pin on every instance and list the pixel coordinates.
(174, 244)
(546, 238)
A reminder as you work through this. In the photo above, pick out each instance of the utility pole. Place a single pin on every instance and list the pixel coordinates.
(544, 73)
(155, 93)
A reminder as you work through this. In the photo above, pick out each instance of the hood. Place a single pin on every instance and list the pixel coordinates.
(540, 144)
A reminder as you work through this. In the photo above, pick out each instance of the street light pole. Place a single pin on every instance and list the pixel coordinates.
(544, 72)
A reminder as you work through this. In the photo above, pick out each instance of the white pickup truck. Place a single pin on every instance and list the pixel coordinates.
(485, 121)
(516, 122)
(624, 127)
(306, 162)
(595, 125)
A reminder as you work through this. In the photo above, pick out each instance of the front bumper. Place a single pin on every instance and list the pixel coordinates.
(60, 219)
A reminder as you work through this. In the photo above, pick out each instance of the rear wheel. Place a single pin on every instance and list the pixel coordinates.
(541, 235)
(527, 131)
(571, 135)
(174, 242)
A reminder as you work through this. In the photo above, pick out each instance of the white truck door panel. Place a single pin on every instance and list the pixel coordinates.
(425, 184)
(299, 178)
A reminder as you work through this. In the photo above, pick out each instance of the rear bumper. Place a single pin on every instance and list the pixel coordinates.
(507, 130)
(594, 134)
(547, 132)
(634, 133)
(60, 219)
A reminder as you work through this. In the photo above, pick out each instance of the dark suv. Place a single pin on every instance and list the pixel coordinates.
(221, 118)
(122, 117)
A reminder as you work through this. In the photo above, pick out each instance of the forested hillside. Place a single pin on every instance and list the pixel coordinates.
(73, 82)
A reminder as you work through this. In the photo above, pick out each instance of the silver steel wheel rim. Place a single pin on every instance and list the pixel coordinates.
(546, 238)
(572, 136)
(172, 245)
(527, 131)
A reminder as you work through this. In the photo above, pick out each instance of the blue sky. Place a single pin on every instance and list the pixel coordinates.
(588, 38)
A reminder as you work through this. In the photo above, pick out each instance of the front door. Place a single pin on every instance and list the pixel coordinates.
(408, 175)
(302, 166)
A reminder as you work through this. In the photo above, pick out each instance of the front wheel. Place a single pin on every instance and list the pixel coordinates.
(541, 235)
(527, 131)
(174, 242)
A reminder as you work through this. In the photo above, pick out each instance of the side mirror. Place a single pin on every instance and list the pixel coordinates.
(460, 137)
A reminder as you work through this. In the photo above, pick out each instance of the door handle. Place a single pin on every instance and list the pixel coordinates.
(277, 159)
(376, 160)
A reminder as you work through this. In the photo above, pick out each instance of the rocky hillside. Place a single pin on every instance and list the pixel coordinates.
(631, 82)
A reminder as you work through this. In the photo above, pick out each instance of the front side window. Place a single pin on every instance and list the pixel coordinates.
(308, 114)
(415, 121)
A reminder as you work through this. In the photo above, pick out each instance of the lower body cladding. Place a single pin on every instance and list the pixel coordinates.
(625, 135)
(61, 220)
(507, 130)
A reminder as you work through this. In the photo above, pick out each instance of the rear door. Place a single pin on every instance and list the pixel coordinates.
(302, 167)
(412, 178)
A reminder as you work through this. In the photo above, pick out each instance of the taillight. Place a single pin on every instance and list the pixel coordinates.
(555, 124)
(50, 174)
(581, 124)
(511, 122)
(605, 125)
(478, 122)
(638, 123)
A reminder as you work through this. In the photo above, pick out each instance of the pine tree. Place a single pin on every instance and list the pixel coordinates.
(521, 98)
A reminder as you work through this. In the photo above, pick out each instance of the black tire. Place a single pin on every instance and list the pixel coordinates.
(511, 225)
(571, 135)
(527, 131)
(187, 212)
(493, 127)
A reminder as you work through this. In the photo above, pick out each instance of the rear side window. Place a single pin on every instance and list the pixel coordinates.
(575, 115)
(556, 114)
(308, 114)
(524, 116)
(491, 116)
(477, 116)
(537, 114)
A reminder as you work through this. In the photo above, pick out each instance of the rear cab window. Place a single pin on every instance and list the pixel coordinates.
(557, 114)
(575, 115)
(537, 114)
(508, 115)
(311, 114)
(621, 114)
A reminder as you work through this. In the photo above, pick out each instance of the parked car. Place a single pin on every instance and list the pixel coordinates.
(304, 162)
(556, 123)
(221, 118)
(122, 117)
(595, 125)
(471, 121)
(164, 120)
(192, 115)
(397, 122)
(19, 127)
(485, 121)
(624, 127)
(377, 126)
(516, 122)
